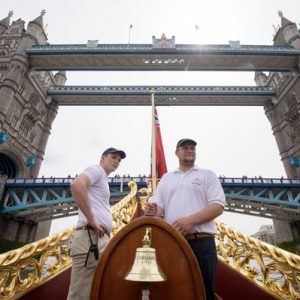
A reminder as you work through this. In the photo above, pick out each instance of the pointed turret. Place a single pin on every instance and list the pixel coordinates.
(39, 20)
(4, 24)
(35, 28)
(260, 78)
(60, 78)
(34, 35)
(284, 21)
(287, 34)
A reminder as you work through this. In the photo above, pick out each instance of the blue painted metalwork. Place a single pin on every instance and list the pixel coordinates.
(269, 198)
(50, 198)
(31, 160)
(3, 137)
(294, 161)
(47, 198)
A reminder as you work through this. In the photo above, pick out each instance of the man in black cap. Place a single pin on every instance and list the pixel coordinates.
(90, 191)
(190, 199)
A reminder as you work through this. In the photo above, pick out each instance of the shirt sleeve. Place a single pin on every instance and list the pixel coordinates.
(158, 194)
(93, 173)
(215, 193)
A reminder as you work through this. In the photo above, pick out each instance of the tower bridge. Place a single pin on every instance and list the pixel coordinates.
(164, 95)
(30, 94)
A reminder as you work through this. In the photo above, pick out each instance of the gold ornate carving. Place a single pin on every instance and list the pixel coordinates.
(274, 269)
(144, 195)
(31, 265)
(124, 210)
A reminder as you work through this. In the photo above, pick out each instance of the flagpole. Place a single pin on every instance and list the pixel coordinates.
(153, 149)
(130, 27)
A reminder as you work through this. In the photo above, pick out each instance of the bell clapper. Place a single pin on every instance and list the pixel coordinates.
(146, 292)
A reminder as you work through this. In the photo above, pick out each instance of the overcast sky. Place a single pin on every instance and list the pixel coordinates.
(232, 141)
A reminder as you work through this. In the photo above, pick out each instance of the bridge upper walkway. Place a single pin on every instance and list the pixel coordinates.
(164, 95)
(179, 57)
(50, 198)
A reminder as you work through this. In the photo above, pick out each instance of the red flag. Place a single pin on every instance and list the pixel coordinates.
(161, 166)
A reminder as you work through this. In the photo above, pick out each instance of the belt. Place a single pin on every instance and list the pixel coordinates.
(198, 235)
(88, 227)
(84, 227)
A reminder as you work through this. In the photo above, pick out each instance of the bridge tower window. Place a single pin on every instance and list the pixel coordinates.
(34, 100)
(24, 128)
(14, 121)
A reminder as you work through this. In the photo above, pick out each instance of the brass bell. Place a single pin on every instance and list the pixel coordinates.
(145, 267)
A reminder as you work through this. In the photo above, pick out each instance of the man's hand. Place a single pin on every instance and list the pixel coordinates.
(99, 228)
(184, 225)
(150, 209)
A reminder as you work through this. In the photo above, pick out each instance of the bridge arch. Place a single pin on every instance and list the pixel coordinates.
(11, 164)
(7, 166)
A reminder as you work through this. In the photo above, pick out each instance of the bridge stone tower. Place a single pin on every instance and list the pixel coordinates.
(283, 113)
(26, 114)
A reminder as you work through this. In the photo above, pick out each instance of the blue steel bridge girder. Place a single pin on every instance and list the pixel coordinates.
(268, 198)
(50, 198)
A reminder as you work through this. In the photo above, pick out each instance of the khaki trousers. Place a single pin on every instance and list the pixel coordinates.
(82, 277)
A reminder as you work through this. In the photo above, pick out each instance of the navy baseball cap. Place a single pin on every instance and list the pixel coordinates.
(113, 151)
(184, 141)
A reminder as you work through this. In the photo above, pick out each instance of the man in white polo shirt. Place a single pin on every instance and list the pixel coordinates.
(90, 191)
(190, 199)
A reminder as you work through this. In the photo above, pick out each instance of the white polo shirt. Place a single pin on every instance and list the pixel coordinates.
(99, 194)
(181, 194)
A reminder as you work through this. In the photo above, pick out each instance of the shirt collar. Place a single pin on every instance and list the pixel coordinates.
(193, 168)
(101, 168)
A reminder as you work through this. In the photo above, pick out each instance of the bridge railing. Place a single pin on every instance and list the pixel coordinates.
(38, 180)
(144, 179)
(275, 181)
(67, 180)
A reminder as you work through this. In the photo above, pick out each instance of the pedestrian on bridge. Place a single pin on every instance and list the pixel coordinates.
(190, 198)
(91, 194)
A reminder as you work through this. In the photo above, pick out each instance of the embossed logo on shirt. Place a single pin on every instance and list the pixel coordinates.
(197, 181)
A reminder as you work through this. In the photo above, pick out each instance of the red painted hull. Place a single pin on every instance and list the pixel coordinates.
(230, 285)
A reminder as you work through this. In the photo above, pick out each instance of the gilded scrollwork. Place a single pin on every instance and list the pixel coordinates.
(26, 267)
(124, 210)
(274, 269)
